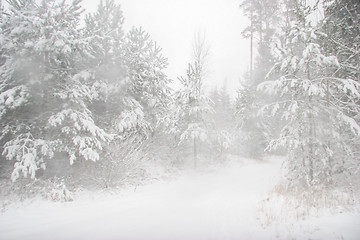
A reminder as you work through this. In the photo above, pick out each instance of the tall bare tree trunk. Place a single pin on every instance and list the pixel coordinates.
(251, 41)
(311, 131)
(195, 153)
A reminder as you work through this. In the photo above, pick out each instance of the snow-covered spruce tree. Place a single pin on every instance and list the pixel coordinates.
(222, 105)
(192, 102)
(251, 132)
(341, 24)
(104, 58)
(263, 17)
(13, 94)
(133, 89)
(317, 109)
(116, 110)
(342, 28)
(148, 95)
(221, 128)
(149, 84)
(132, 73)
(45, 89)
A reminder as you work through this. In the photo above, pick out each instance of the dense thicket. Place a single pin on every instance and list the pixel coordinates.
(253, 132)
(72, 91)
(314, 84)
(81, 98)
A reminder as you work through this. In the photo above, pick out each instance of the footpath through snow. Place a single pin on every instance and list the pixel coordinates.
(222, 204)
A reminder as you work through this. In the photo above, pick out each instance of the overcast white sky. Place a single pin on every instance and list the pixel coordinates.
(173, 23)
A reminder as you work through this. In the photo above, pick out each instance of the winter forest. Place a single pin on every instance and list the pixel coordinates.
(93, 130)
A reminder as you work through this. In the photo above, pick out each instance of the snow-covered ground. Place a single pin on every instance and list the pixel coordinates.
(227, 203)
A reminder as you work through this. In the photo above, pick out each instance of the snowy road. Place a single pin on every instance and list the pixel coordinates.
(223, 204)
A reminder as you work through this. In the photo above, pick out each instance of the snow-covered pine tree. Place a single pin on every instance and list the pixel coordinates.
(317, 110)
(45, 86)
(115, 109)
(263, 17)
(132, 73)
(105, 59)
(149, 88)
(222, 105)
(134, 92)
(192, 102)
(73, 123)
(105, 62)
(342, 25)
(192, 106)
(251, 131)
(149, 85)
(222, 117)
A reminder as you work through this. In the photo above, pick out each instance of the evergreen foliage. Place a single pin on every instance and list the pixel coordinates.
(96, 97)
(318, 109)
(77, 90)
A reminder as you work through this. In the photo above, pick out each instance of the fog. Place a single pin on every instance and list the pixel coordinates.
(173, 25)
(179, 119)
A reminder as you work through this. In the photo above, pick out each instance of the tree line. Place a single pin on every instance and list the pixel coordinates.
(82, 98)
(307, 64)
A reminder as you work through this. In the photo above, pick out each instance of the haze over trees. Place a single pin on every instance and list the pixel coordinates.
(316, 107)
(85, 103)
